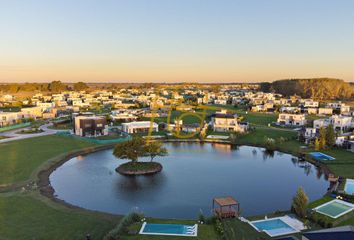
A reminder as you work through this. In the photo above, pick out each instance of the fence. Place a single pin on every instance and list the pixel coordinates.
(94, 140)
(16, 126)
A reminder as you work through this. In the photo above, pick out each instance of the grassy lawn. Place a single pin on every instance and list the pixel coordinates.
(25, 217)
(237, 230)
(18, 159)
(257, 137)
(343, 165)
(205, 232)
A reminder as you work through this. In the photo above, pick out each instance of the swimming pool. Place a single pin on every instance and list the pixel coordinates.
(335, 208)
(273, 227)
(169, 229)
(349, 186)
(320, 156)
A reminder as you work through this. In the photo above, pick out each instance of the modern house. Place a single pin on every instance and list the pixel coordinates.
(338, 233)
(140, 126)
(89, 126)
(226, 122)
(289, 119)
(341, 123)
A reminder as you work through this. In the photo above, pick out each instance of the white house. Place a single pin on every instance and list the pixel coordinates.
(325, 111)
(291, 119)
(341, 123)
(311, 103)
(140, 126)
(224, 122)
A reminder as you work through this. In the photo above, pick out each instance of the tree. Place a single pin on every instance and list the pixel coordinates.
(322, 138)
(132, 149)
(154, 149)
(300, 202)
(330, 136)
(317, 144)
(80, 86)
(56, 86)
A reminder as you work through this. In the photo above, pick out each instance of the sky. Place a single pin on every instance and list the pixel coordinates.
(214, 41)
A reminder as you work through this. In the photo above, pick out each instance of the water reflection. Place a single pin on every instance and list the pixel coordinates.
(192, 175)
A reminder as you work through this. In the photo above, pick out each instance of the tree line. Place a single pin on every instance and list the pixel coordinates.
(54, 87)
(315, 88)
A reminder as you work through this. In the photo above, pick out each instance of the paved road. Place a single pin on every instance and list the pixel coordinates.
(13, 136)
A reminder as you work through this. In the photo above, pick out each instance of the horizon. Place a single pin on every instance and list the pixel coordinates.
(172, 42)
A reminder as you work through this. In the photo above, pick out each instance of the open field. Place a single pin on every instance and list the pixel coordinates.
(18, 159)
(23, 216)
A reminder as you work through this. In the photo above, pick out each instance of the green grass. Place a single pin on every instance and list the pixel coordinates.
(257, 137)
(238, 230)
(19, 159)
(343, 165)
(24, 217)
(205, 232)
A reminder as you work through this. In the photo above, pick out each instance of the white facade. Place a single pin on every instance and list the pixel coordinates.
(291, 119)
(141, 126)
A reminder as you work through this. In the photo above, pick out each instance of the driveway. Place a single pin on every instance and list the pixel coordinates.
(12, 135)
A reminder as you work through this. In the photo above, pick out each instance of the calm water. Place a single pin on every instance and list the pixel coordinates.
(193, 174)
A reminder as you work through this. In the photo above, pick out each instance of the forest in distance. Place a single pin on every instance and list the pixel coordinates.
(315, 88)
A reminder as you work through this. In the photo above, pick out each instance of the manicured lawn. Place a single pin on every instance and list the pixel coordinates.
(18, 159)
(25, 217)
(262, 119)
(343, 165)
(237, 230)
(257, 137)
(205, 232)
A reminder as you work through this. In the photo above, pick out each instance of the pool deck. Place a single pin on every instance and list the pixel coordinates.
(295, 224)
(350, 205)
(348, 182)
(195, 233)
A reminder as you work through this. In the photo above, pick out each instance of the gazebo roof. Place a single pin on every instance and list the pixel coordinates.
(225, 201)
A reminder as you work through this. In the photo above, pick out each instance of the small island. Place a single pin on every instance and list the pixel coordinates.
(135, 148)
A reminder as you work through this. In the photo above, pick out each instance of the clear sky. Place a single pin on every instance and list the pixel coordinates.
(175, 40)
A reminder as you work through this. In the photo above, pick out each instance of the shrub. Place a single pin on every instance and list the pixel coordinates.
(201, 217)
(210, 220)
(123, 225)
(219, 228)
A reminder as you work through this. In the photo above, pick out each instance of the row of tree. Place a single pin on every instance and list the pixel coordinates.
(316, 88)
(54, 87)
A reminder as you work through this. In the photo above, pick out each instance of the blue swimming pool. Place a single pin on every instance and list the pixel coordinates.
(349, 186)
(169, 229)
(321, 156)
(273, 227)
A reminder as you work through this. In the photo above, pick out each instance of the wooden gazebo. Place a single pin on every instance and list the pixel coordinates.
(225, 207)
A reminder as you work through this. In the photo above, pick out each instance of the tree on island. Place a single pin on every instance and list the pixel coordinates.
(132, 149)
(300, 202)
(135, 148)
(154, 149)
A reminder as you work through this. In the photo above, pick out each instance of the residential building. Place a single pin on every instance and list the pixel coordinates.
(341, 123)
(140, 126)
(337, 233)
(90, 126)
(325, 111)
(291, 119)
(226, 122)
